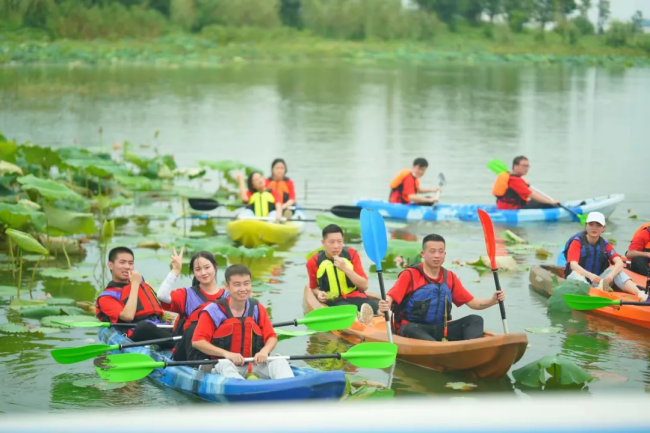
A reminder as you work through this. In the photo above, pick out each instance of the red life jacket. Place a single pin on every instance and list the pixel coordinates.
(236, 334)
(148, 304)
(281, 186)
(646, 226)
(505, 194)
(195, 302)
(397, 186)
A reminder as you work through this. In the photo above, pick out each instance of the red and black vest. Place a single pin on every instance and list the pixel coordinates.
(148, 308)
(236, 334)
(195, 302)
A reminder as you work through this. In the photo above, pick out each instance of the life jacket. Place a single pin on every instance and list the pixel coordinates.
(260, 203)
(502, 191)
(237, 334)
(427, 303)
(331, 279)
(593, 258)
(148, 308)
(645, 226)
(397, 186)
(195, 302)
(281, 187)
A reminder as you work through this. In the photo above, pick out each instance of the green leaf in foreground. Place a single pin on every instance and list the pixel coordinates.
(561, 371)
(347, 225)
(26, 242)
(70, 223)
(12, 328)
(48, 188)
(47, 321)
(65, 273)
(556, 302)
(8, 291)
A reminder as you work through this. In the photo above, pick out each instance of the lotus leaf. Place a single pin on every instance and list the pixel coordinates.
(9, 168)
(60, 301)
(138, 183)
(8, 291)
(98, 167)
(44, 330)
(29, 204)
(26, 242)
(510, 237)
(49, 189)
(226, 166)
(409, 251)
(68, 222)
(347, 225)
(41, 156)
(18, 304)
(556, 302)
(65, 273)
(97, 383)
(544, 330)
(18, 215)
(47, 321)
(7, 180)
(8, 150)
(562, 371)
(12, 328)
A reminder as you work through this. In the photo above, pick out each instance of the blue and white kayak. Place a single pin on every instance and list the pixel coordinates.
(467, 212)
(307, 383)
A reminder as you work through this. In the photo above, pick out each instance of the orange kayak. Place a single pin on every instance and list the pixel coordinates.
(489, 357)
(541, 278)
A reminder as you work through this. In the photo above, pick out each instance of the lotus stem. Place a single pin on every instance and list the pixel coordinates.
(13, 260)
(103, 259)
(184, 219)
(69, 178)
(31, 281)
(20, 268)
(65, 252)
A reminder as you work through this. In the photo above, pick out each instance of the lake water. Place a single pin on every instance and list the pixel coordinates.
(345, 131)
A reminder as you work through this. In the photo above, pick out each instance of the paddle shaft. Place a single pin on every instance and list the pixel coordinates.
(559, 204)
(501, 306)
(270, 358)
(389, 331)
(342, 211)
(148, 342)
(131, 325)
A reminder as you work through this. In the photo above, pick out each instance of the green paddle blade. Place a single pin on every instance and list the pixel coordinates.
(583, 218)
(82, 324)
(579, 302)
(372, 355)
(330, 319)
(125, 367)
(283, 334)
(78, 354)
(497, 166)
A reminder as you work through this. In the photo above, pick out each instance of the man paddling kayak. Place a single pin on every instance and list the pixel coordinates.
(262, 202)
(589, 256)
(405, 187)
(128, 299)
(336, 275)
(639, 251)
(190, 301)
(237, 327)
(281, 186)
(513, 192)
(425, 291)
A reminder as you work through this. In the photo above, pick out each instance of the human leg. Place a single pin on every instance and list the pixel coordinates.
(227, 369)
(144, 331)
(274, 369)
(418, 331)
(465, 328)
(534, 204)
(640, 265)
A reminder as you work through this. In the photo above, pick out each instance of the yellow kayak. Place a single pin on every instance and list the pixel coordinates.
(252, 232)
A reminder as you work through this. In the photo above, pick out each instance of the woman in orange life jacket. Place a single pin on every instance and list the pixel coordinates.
(188, 302)
(262, 202)
(405, 187)
(513, 192)
(128, 299)
(282, 185)
(237, 327)
(639, 251)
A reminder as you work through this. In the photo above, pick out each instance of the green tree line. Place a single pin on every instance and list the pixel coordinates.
(252, 20)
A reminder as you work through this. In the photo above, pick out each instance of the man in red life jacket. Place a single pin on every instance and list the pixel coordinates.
(405, 187)
(639, 251)
(238, 327)
(513, 192)
(128, 299)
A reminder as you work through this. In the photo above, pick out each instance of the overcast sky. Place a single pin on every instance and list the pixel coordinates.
(622, 9)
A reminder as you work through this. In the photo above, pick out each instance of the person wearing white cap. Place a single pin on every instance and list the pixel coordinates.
(589, 256)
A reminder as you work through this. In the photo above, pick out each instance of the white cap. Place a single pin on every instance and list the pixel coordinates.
(596, 217)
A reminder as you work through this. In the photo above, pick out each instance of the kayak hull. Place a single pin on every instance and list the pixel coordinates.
(252, 233)
(308, 383)
(541, 279)
(467, 212)
(489, 357)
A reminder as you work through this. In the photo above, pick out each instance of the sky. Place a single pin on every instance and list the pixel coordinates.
(622, 9)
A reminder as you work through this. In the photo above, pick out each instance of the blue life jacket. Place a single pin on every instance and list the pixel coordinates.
(593, 258)
(426, 304)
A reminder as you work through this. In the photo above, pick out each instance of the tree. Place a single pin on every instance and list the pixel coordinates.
(519, 12)
(603, 15)
(471, 10)
(637, 19)
(446, 10)
(584, 7)
(493, 8)
(543, 12)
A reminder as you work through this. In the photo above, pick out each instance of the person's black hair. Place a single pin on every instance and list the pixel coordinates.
(432, 238)
(277, 161)
(421, 162)
(112, 254)
(205, 255)
(251, 188)
(237, 270)
(332, 228)
(518, 160)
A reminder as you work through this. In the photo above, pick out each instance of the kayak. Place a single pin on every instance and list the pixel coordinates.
(467, 212)
(308, 383)
(489, 357)
(542, 280)
(252, 232)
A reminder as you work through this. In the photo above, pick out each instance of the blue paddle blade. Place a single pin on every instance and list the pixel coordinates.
(373, 236)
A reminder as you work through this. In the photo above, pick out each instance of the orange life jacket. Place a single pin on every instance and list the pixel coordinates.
(148, 304)
(645, 226)
(502, 191)
(236, 334)
(397, 186)
(281, 187)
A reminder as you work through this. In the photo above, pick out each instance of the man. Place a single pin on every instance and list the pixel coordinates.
(425, 291)
(588, 256)
(639, 251)
(405, 187)
(336, 275)
(128, 299)
(513, 192)
(237, 327)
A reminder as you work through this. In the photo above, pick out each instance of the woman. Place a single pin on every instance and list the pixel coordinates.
(282, 185)
(262, 202)
(189, 302)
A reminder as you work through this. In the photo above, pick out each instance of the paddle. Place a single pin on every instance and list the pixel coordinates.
(322, 319)
(441, 183)
(490, 246)
(101, 324)
(498, 167)
(206, 204)
(581, 302)
(128, 367)
(375, 242)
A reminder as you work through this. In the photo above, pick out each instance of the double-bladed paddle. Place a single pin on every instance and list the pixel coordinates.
(441, 183)
(322, 319)
(128, 367)
(206, 204)
(582, 302)
(490, 245)
(498, 167)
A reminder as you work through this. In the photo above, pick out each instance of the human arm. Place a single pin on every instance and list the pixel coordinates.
(573, 258)
(542, 198)
(356, 274)
(292, 195)
(128, 313)
(415, 198)
(428, 190)
(269, 335)
(384, 305)
(165, 290)
(313, 281)
(243, 192)
(482, 304)
(410, 189)
(638, 245)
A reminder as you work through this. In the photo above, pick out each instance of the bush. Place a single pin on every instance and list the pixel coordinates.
(238, 13)
(226, 34)
(643, 42)
(503, 34)
(568, 31)
(618, 33)
(584, 26)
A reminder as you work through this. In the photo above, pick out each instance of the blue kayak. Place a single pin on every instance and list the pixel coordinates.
(467, 212)
(307, 383)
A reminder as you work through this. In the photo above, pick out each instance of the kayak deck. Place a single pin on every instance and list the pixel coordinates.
(489, 357)
(252, 233)
(541, 279)
(467, 212)
(307, 383)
